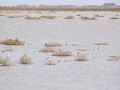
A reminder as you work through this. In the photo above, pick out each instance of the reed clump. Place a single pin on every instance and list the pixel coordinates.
(12, 42)
(101, 43)
(98, 15)
(62, 53)
(47, 49)
(81, 57)
(32, 18)
(53, 44)
(25, 60)
(1, 15)
(75, 45)
(113, 58)
(78, 15)
(69, 17)
(114, 18)
(48, 17)
(49, 62)
(87, 18)
(14, 16)
(5, 61)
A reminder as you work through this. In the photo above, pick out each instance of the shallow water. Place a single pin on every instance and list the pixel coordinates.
(95, 74)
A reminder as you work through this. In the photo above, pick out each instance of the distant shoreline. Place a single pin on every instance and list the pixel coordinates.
(59, 9)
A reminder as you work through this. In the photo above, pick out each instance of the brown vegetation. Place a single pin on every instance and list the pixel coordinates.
(12, 42)
(75, 45)
(32, 18)
(87, 18)
(78, 15)
(98, 15)
(69, 17)
(48, 17)
(25, 60)
(47, 49)
(14, 16)
(114, 18)
(17, 9)
(62, 53)
(81, 57)
(53, 44)
(49, 62)
(113, 58)
(101, 43)
(5, 61)
(1, 15)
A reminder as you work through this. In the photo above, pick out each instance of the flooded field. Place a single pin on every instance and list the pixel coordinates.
(98, 39)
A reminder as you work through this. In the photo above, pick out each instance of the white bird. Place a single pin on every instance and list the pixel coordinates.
(114, 26)
(48, 58)
(8, 55)
(96, 48)
(50, 53)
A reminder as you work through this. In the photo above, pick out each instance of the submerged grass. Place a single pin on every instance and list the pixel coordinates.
(98, 15)
(25, 60)
(12, 42)
(62, 53)
(32, 18)
(87, 18)
(1, 15)
(14, 16)
(5, 61)
(114, 18)
(53, 44)
(47, 49)
(113, 58)
(69, 17)
(101, 43)
(49, 62)
(81, 57)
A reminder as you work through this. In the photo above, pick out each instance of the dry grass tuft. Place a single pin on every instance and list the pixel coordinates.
(1, 15)
(114, 18)
(32, 18)
(78, 15)
(48, 17)
(101, 43)
(62, 53)
(81, 49)
(87, 18)
(113, 58)
(53, 44)
(47, 49)
(69, 17)
(5, 61)
(25, 60)
(12, 42)
(98, 15)
(75, 45)
(49, 62)
(14, 16)
(116, 15)
(81, 57)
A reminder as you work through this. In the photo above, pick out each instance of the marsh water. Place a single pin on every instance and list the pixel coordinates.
(95, 74)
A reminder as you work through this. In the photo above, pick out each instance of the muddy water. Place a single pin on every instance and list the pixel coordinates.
(95, 74)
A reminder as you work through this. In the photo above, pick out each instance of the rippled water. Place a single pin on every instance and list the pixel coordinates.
(95, 74)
